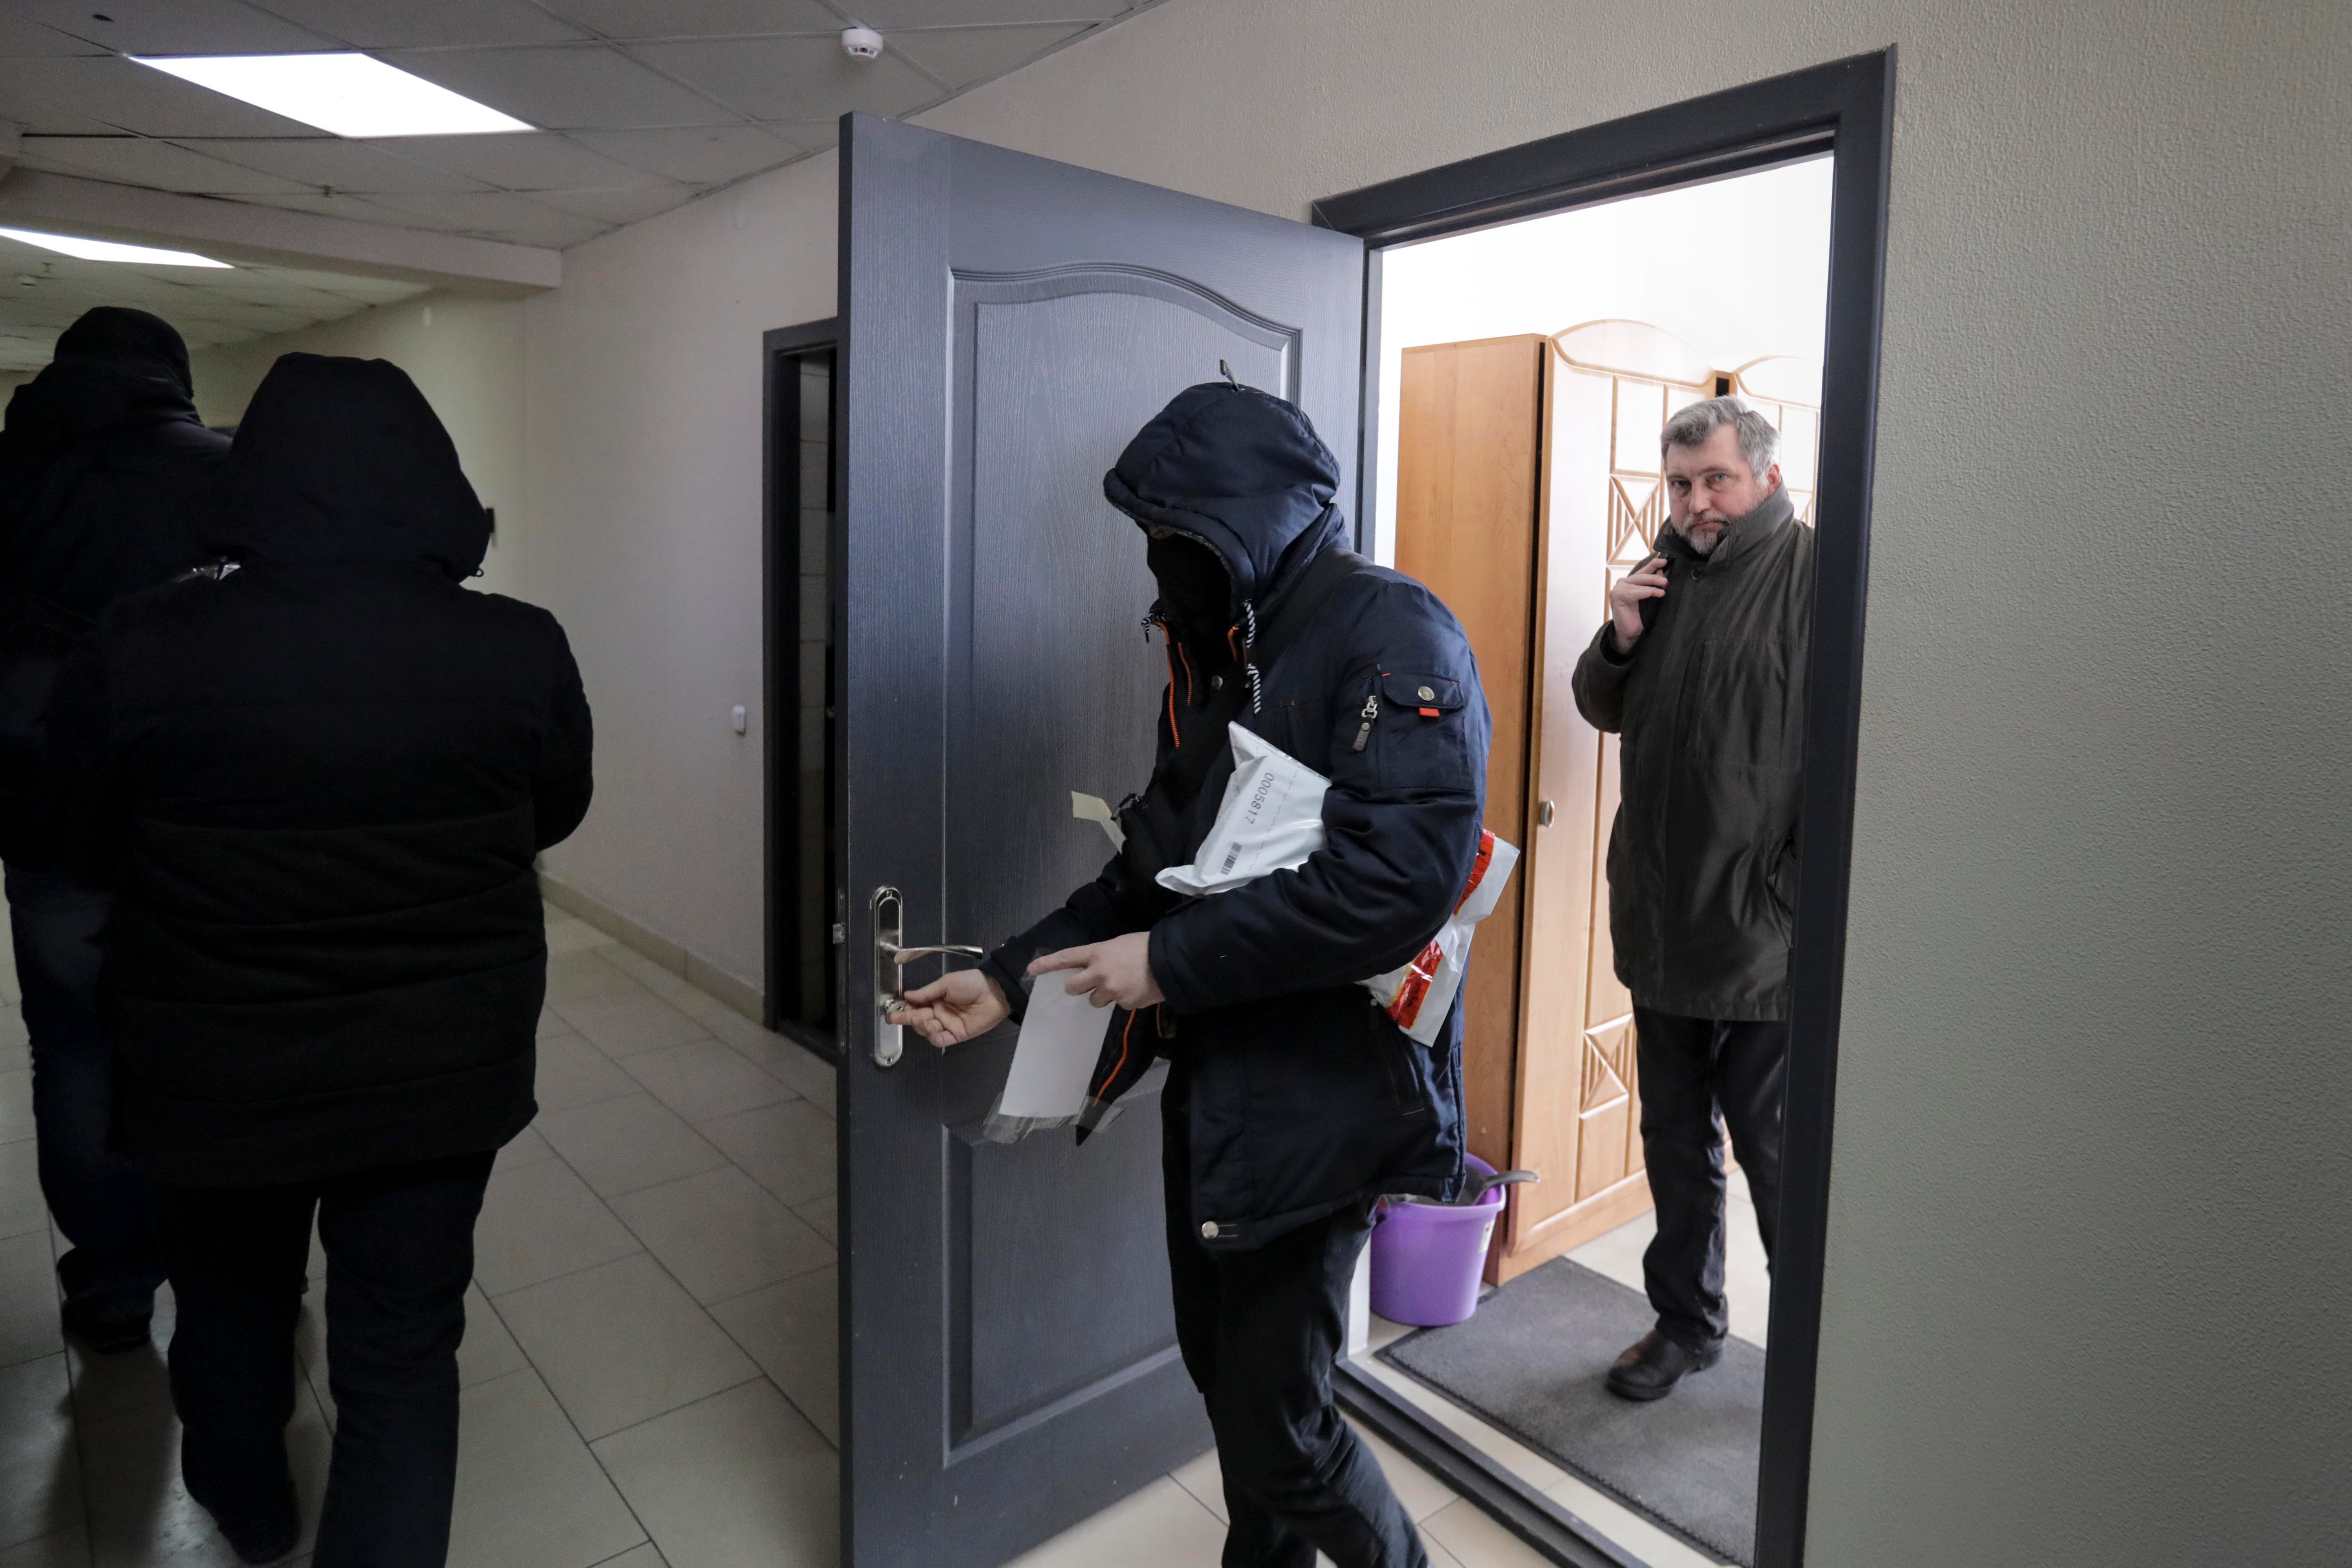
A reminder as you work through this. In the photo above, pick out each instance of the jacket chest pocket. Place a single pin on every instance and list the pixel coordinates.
(1414, 729)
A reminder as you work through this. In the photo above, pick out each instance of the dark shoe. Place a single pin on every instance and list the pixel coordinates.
(1650, 1369)
(266, 1529)
(105, 1336)
(266, 1543)
(268, 1540)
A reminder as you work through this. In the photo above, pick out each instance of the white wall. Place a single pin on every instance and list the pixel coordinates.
(465, 357)
(644, 453)
(2088, 1273)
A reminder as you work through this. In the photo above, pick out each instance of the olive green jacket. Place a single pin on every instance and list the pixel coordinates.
(1711, 705)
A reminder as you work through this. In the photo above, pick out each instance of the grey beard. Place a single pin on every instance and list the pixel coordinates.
(1708, 548)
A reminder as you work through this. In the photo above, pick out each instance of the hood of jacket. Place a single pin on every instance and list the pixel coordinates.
(343, 460)
(1243, 472)
(113, 367)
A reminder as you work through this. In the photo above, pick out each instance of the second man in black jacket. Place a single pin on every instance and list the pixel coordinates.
(1701, 668)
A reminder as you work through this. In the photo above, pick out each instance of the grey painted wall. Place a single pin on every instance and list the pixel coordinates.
(2088, 1271)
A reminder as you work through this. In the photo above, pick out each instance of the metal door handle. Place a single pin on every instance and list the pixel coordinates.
(889, 958)
(1544, 813)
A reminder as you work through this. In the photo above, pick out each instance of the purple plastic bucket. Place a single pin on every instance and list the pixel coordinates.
(1427, 1257)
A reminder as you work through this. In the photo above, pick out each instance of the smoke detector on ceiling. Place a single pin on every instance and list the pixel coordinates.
(861, 43)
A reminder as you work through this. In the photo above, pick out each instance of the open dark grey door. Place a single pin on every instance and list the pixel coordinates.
(1009, 1362)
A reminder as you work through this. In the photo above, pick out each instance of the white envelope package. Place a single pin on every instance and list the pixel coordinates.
(1418, 995)
(1271, 819)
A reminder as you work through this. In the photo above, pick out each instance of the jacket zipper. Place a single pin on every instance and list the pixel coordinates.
(1372, 711)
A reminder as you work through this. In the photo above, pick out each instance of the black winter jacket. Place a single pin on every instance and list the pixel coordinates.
(1303, 1096)
(1711, 704)
(317, 784)
(105, 473)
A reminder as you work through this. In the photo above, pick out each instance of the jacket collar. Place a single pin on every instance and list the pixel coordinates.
(1772, 514)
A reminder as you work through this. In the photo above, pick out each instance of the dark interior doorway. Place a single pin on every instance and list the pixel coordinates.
(799, 555)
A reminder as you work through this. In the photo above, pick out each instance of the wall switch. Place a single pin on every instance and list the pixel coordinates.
(741, 718)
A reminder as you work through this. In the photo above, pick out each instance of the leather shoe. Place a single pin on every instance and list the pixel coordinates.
(1650, 1368)
(106, 1336)
(263, 1531)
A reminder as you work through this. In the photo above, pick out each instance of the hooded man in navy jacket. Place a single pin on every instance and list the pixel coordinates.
(1293, 1101)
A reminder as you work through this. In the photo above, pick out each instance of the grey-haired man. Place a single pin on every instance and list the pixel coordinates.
(1701, 669)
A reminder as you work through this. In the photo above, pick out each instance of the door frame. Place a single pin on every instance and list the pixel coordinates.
(780, 633)
(1843, 107)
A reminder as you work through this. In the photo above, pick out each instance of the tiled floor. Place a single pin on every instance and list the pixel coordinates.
(649, 1361)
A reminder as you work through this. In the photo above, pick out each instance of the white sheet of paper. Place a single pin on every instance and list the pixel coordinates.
(1061, 1036)
(1094, 808)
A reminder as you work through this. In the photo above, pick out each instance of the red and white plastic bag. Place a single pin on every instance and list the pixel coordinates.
(1417, 995)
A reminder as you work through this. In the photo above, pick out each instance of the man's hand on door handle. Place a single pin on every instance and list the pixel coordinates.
(1117, 971)
(956, 1007)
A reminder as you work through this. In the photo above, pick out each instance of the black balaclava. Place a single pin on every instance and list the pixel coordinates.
(1196, 594)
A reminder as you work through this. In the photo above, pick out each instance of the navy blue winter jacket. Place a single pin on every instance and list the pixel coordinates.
(1304, 1096)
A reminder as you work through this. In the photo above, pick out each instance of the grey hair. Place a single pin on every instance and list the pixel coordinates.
(1758, 442)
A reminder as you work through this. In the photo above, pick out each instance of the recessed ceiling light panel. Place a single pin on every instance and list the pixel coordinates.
(348, 94)
(109, 250)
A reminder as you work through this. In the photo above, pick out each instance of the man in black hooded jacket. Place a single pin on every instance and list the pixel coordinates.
(104, 470)
(317, 777)
(1293, 1101)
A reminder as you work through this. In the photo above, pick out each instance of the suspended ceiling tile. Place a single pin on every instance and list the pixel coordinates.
(359, 209)
(519, 162)
(173, 26)
(619, 207)
(338, 283)
(699, 18)
(517, 219)
(20, 39)
(705, 155)
(586, 87)
(962, 55)
(792, 79)
(264, 286)
(129, 97)
(421, 24)
(353, 167)
(255, 318)
(884, 15)
(157, 165)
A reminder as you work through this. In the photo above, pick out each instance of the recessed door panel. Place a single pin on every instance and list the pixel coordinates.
(1009, 1364)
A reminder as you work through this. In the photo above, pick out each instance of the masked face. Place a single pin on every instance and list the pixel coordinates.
(1194, 591)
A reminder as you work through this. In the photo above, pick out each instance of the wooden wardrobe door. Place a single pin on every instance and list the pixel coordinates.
(1469, 498)
(1579, 1094)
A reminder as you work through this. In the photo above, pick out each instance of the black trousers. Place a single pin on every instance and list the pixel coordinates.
(1698, 1076)
(99, 1199)
(1259, 1331)
(400, 1251)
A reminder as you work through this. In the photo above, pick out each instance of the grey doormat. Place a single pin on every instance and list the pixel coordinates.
(1531, 1362)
